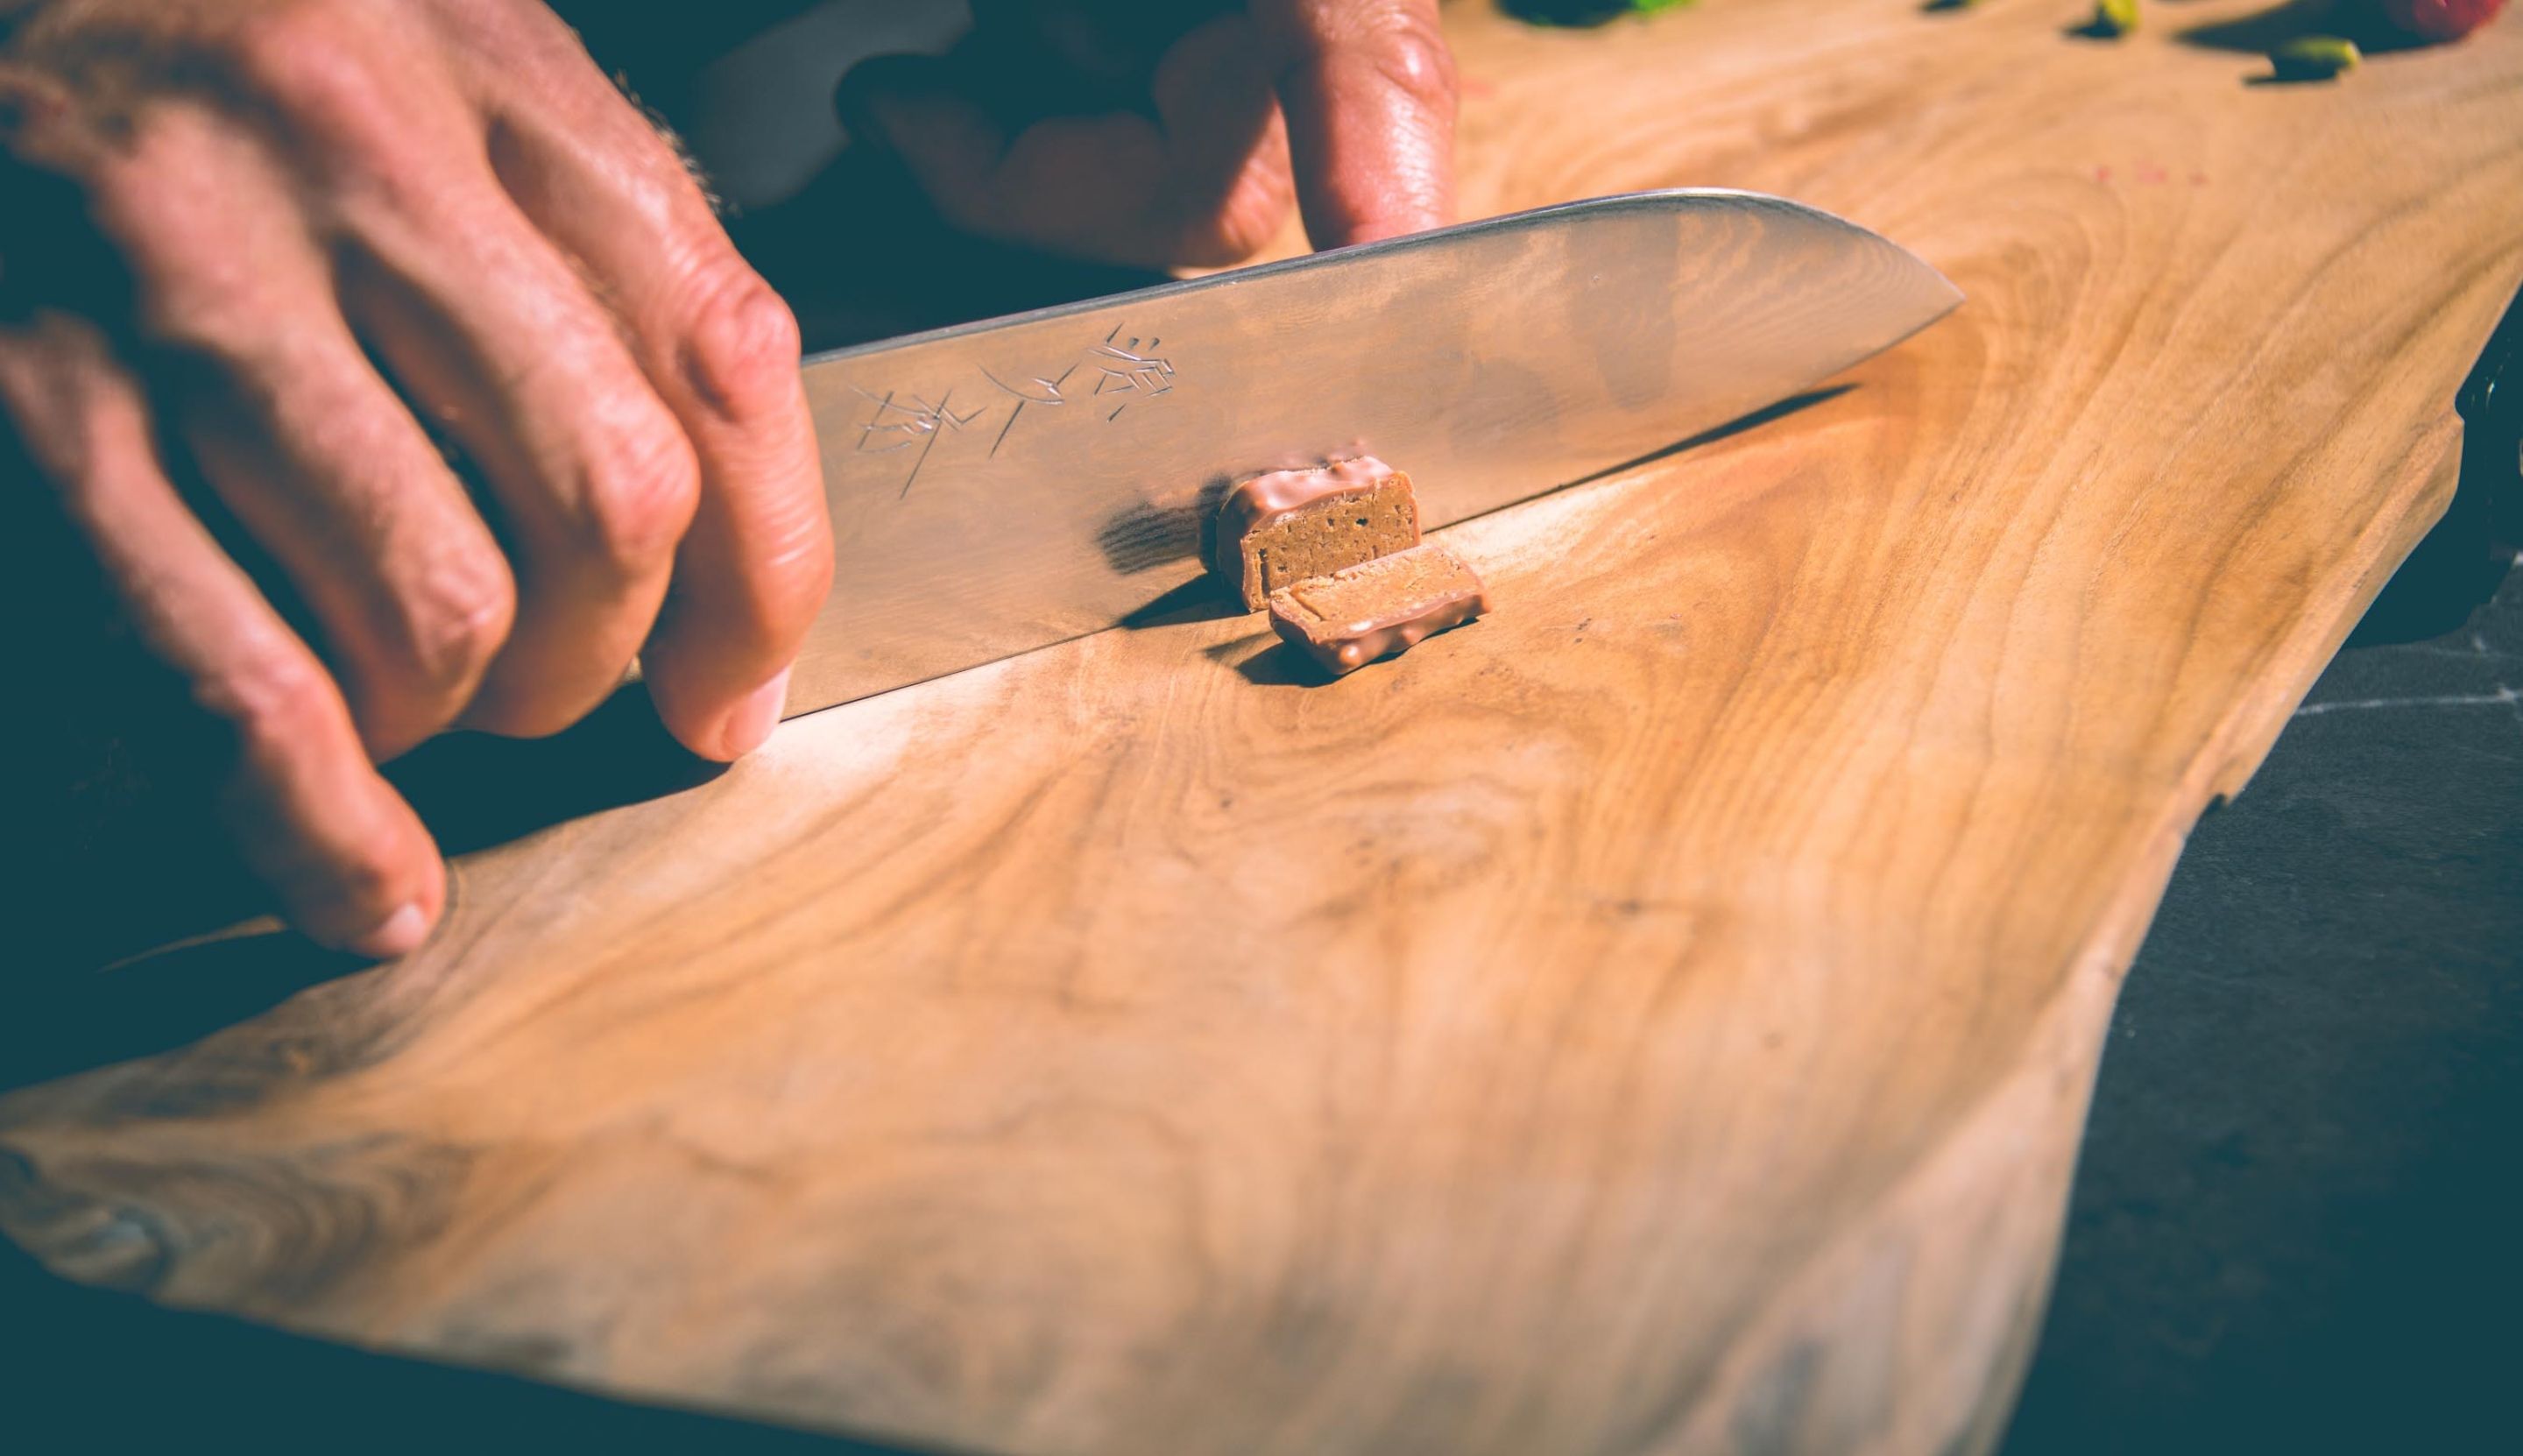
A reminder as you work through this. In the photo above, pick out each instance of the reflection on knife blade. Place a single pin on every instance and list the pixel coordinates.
(1046, 474)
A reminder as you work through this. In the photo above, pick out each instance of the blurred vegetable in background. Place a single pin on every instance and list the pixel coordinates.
(2313, 58)
(1582, 12)
(2438, 20)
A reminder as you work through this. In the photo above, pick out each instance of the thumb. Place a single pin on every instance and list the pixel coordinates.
(1368, 90)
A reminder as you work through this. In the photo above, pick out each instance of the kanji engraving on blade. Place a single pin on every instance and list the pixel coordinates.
(1113, 375)
(902, 423)
(1124, 370)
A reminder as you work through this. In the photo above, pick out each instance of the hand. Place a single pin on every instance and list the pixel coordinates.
(1175, 132)
(327, 221)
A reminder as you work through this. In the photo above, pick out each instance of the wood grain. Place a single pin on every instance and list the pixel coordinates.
(1655, 1018)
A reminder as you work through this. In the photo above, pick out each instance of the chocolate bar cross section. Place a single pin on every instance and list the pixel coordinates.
(1281, 528)
(1378, 608)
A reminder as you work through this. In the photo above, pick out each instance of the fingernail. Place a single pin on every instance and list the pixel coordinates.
(398, 934)
(749, 727)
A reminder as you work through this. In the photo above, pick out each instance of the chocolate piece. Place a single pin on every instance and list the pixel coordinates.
(1281, 528)
(1378, 608)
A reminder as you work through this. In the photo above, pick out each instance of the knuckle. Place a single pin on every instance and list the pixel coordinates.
(741, 342)
(642, 486)
(323, 74)
(296, 51)
(1409, 50)
(457, 621)
(207, 273)
(279, 702)
(1400, 42)
(37, 115)
(224, 330)
(64, 401)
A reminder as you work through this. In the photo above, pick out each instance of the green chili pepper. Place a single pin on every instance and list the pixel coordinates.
(1583, 12)
(2314, 58)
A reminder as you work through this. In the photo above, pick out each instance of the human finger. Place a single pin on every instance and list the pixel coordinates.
(1201, 178)
(722, 350)
(351, 863)
(1369, 94)
(489, 327)
(292, 426)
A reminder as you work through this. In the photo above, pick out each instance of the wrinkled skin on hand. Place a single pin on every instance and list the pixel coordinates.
(1163, 132)
(260, 259)
(249, 245)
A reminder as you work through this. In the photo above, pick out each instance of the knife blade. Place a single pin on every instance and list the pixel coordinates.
(1003, 486)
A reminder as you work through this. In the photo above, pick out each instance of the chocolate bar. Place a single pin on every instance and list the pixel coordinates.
(1281, 528)
(1378, 608)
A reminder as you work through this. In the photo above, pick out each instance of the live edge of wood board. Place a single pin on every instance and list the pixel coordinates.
(1660, 1021)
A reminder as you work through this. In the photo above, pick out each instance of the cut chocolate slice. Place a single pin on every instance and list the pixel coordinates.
(1378, 608)
(1281, 528)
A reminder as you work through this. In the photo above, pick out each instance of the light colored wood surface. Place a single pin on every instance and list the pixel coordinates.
(1655, 1018)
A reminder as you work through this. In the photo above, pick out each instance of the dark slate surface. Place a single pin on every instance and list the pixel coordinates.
(2295, 1224)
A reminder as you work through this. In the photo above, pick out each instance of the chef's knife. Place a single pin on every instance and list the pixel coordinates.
(1003, 486)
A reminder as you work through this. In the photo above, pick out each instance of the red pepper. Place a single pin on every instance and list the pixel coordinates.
(2438, 20)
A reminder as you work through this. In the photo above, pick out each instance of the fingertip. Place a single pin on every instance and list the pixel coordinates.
(379, 904)
(721, 728)
(749, 725)
(399, 934)
(753, 576)
(380, 899)
(352, 866)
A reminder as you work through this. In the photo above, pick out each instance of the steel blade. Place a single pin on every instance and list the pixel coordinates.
(1007, 485)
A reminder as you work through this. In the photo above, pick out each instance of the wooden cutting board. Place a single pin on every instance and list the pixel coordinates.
(1657, 1019)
